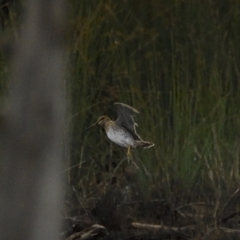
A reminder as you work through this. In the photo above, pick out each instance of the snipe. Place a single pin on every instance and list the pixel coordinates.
(122, 131)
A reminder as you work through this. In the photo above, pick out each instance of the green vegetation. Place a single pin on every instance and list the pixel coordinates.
(177, 62)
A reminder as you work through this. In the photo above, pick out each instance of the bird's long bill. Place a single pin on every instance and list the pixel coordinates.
(89, 127)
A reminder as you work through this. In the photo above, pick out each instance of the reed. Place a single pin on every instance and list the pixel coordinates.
(177, 62)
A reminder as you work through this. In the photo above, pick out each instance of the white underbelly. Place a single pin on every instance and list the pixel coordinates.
(120, 138)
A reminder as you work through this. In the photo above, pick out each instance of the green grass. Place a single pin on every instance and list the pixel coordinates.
(177, 62)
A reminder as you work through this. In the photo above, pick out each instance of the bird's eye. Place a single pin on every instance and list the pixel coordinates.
(100, 120)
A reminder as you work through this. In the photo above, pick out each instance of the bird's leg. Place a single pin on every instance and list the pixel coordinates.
(129, 154)
(130, 157)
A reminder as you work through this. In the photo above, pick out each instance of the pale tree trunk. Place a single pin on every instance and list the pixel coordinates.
(32, 128)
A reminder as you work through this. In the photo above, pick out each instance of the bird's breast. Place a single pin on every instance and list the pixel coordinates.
(120, 137)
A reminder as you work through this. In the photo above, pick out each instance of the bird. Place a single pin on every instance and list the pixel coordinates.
(122, 131)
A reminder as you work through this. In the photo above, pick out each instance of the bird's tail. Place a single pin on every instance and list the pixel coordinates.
(145, 144)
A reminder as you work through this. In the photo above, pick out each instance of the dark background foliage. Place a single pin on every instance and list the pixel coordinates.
(177, 63)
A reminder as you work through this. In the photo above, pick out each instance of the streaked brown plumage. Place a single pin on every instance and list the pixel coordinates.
(122, 131)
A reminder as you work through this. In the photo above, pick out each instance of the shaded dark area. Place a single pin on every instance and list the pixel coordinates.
(126, 214)
(4, 4)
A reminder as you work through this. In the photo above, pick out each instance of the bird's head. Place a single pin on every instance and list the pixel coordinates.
(102, 120)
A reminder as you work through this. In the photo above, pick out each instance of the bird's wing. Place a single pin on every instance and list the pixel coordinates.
(125, 116)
